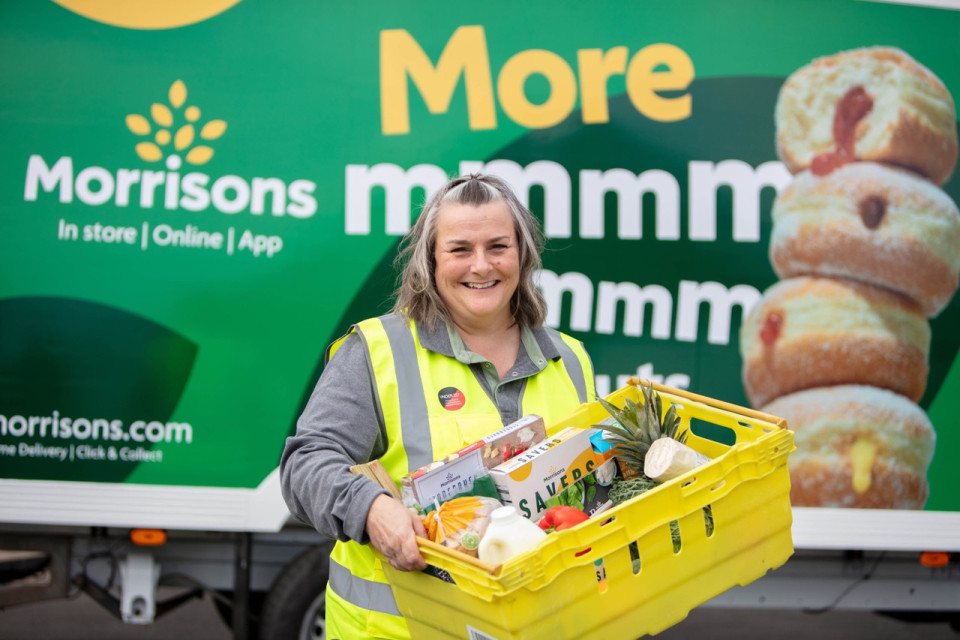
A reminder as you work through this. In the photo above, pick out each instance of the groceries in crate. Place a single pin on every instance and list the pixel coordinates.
(442, 479)
(508, 535)
(636, 431)
(513, 439)
(668, 459)
(460, 523)
(560, 517)
(591, 493)
(530, 479)
(605, 577)
(457, 472)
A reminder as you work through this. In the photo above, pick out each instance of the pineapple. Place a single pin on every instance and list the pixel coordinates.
(637, 426)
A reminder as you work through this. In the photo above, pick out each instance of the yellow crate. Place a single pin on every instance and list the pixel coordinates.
(582, 583)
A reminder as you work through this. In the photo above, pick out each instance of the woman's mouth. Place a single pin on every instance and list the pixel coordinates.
(480, 285)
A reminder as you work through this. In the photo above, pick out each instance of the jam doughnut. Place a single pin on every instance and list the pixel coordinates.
(872, 223)
(875, 104)
(815, 332)
(857, 446)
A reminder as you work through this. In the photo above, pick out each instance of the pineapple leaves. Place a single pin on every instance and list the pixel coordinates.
(637, 426)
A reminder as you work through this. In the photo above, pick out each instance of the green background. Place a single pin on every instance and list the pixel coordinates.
(231, 344)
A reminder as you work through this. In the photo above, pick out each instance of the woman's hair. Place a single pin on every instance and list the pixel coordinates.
(416, 293)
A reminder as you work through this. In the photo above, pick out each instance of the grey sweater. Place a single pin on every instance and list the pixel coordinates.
(342, 426)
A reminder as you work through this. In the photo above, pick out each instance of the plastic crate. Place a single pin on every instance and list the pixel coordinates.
(618, 575)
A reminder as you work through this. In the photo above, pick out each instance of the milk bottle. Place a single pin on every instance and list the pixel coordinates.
(507, 535)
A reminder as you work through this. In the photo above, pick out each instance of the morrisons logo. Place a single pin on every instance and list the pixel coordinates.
(174, 136)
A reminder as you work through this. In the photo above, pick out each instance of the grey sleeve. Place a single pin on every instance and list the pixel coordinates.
(340, 426)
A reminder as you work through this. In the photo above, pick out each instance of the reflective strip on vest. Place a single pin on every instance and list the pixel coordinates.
(374, 596)
(414, 418)
(572, 364)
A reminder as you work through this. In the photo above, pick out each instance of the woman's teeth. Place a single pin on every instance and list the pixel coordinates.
(480, 285)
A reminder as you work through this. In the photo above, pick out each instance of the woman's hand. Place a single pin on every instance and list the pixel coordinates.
(393, 531)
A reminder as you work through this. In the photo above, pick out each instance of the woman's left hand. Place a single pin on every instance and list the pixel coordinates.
(393, 531)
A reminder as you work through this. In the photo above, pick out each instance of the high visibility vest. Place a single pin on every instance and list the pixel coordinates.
(431, 405)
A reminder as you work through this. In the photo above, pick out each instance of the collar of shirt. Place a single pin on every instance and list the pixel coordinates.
(445, 339)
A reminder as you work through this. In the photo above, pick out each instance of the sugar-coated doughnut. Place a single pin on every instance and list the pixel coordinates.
(857, 446)
(813, 332)
(874, 223)
(875, 103)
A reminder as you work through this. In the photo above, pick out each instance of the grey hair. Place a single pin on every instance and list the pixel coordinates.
(416, 293)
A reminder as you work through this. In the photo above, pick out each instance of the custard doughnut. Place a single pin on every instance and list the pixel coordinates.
(817, 332)
(857, 446)
(875, 103)
(873, 223)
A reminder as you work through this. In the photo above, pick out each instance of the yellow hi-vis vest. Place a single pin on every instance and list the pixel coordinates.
(412, 384)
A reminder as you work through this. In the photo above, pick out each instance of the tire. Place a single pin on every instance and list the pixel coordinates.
(295, 605)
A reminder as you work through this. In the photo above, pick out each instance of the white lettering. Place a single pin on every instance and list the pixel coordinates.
(721, 301)
(635, 299)
(397, 183)
(746, 184)
(581, 297)
(38, 173)
(241, 194)
(630, 189)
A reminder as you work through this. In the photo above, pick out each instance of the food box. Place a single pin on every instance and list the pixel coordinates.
(624, 574)
(442, 479)
(528, 480)
(513, 439)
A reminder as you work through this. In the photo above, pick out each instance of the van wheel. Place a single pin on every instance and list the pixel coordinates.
(296, 603)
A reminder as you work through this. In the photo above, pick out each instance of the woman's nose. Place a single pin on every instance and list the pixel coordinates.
(480, 262)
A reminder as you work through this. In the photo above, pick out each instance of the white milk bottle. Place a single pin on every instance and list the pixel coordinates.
(507, 535)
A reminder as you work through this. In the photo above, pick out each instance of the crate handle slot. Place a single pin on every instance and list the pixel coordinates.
(635, 557)
(719, 485)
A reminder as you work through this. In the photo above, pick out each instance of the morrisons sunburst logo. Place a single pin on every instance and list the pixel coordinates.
(174, 135)
(173, 131)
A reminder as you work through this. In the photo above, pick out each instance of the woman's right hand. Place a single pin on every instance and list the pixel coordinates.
(393, 531)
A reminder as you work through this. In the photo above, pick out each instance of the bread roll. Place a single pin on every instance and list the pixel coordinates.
(815, 332)
(873, 223)
(857, 446)
(886, 106)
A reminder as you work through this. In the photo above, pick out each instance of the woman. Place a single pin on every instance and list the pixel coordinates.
(463, 353)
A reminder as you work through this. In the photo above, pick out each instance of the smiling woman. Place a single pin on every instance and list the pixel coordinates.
(467, 322)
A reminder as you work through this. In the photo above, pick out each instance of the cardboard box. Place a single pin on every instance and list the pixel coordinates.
(442, 479)
(528, 480)
(513, 439)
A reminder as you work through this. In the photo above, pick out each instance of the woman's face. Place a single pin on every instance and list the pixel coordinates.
(478, 263)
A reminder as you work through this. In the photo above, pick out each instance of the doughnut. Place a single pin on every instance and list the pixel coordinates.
(873, 223)
(874, 103)
(857, 446)
(815, 332)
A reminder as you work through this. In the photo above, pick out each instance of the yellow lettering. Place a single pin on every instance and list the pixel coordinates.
(464, 54)
(644, 81)
(513, 99)
(596, 67)
(655, 69)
